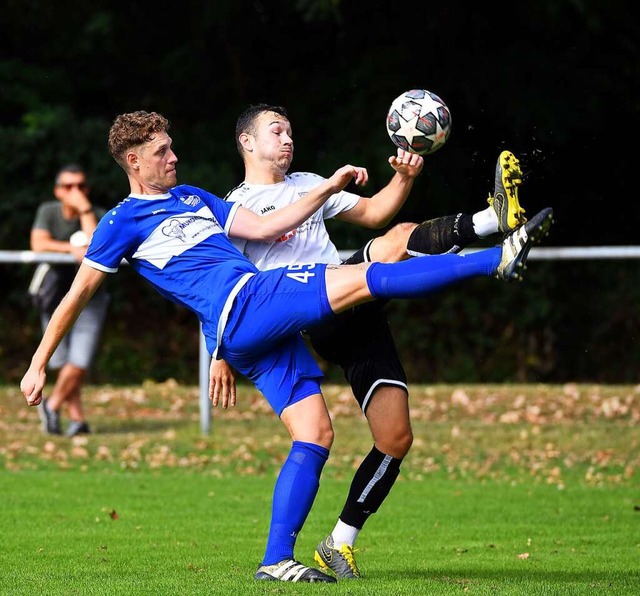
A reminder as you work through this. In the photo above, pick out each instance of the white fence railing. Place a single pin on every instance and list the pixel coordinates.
(538, 253)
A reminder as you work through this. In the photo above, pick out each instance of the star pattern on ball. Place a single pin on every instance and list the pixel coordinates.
(408, 128)
(418, 121)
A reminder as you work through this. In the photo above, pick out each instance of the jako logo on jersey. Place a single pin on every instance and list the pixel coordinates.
(191, 200)
(267, 208)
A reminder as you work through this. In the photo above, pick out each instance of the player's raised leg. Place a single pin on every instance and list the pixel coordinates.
(452, 233)
(349, 285)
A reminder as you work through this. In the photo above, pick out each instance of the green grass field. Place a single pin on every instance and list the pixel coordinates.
(508, 489)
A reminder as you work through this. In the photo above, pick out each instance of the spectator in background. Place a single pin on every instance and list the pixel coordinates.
(66, 225)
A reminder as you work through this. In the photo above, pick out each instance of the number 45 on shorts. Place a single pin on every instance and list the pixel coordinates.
(300, 273)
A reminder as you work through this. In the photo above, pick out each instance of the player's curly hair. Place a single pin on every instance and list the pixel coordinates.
(246, 122)
(133, 129)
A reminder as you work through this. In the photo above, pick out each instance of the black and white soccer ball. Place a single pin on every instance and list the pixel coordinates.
(418, 121)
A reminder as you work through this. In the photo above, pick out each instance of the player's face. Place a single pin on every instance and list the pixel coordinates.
(157, 163)
(273, 142)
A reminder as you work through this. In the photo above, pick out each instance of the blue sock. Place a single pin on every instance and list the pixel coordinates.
(294, 493)
(417, 277)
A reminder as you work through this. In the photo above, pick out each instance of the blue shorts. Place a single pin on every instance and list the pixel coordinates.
(79, 346)
(262, 337)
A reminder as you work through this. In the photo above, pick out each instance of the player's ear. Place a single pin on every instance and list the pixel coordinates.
(132, 160)
(246, 140)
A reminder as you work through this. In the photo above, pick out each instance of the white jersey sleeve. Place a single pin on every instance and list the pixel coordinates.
(310, 241)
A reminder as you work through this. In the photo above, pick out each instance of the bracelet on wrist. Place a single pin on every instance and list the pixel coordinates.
(87, 211)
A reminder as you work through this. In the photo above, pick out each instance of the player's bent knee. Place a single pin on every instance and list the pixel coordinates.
(397, 445)
(392, 247)
(322, 437)
(403, 229)
(399, 234)
(318, 434)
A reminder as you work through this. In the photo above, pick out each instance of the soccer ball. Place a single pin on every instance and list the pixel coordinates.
(418, 121)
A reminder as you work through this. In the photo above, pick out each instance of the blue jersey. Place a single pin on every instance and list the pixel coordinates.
(178, 241)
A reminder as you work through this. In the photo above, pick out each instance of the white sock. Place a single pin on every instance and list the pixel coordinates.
(485, 222)
(344, 534)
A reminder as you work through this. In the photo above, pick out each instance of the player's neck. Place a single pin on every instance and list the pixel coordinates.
(140, 188)
(263, 175)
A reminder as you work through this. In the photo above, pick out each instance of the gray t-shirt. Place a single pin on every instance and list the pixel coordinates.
(49, 217)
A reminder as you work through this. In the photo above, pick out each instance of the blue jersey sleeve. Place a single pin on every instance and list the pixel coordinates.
(112, 240)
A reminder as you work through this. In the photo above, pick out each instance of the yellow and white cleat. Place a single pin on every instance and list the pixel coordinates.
(505, 193)
(339, 560)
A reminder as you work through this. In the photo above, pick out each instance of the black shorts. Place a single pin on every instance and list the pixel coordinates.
(360, 341)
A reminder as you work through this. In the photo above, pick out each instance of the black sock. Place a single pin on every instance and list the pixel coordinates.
(370, 486)
(450, 233)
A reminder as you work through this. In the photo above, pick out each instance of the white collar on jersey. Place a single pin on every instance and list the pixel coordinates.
(150, 197)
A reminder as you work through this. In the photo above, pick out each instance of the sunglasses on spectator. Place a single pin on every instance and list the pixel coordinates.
(69, 186)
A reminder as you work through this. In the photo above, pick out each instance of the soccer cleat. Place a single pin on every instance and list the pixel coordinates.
(505, 193)
(77, 428)
(339, 560)
(290, 570)
(50, 419)
(516, 246)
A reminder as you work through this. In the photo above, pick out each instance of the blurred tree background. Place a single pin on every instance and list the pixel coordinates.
(554, 81)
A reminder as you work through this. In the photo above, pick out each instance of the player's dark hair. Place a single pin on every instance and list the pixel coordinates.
(131, 130)
(246, 122)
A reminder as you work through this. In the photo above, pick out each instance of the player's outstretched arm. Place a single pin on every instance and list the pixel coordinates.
(268, 228)
(377, 211)
(222, 384)
(84, 285)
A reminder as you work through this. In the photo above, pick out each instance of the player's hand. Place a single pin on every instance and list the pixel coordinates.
(32, 385)
(346, 174)
(222, 384)
(407, 164)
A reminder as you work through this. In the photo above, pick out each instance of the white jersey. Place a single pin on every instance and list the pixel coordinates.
(309, 242)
